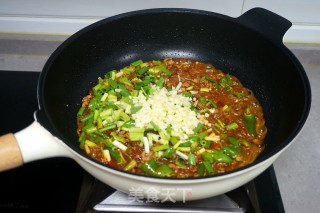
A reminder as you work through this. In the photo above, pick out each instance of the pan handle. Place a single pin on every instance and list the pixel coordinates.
(10, 155)
(265, 22)
(30, 144)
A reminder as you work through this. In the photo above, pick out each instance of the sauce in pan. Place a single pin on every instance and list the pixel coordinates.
(174, 118)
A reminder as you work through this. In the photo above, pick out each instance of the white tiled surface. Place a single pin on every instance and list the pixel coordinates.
(105, 8)
(297, 169)
(304, 15)
(26, 52)
(62, 17)
(300, 12)
(67, 17)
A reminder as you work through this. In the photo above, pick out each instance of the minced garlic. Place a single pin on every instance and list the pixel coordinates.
(165, 108)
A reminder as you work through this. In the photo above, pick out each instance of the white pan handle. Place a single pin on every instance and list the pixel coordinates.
(30, 144)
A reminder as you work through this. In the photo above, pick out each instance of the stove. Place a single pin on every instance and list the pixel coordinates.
(61, 185)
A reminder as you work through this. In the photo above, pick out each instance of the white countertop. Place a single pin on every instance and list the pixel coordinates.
(297, 169)
(67, 17)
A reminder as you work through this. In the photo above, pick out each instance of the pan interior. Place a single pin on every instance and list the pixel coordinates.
(267, 68)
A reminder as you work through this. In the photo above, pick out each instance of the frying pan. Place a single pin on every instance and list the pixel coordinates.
(249, 47)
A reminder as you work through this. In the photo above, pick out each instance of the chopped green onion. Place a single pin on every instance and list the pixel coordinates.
(160, 82)
(184, 149)
(202, 99)
(89, 125)
(106, 155)
(213, 138)
(208, 167)
(201, 169)
(169, 153)
(166, 71)
(219, 124)
(106, 113)
(234, 141)
(130, 165)
(160, 147)
(225, 81)
(99, 123)
(95, 114)
(97, 87)
(125, 81)
(115, 154)
(81, 111)
(90, 143)
(207, 157)
(207, 144)
(127, 70)
(87, 117)
(232, 126)
(239, 94)
(198, 127)
(91, 129)
(146, 145)
(128, 124)
(136, 63)
(182, 155)
(108, 127)
(250, 121)
(244, 143)
(111, 74)
(136, 134)
(153, 169)
(212, 81)
(119, 145)
(82, 138)
(135, 109)
(231, 151)
(163, 170)
(112, 98)
(118, 137)
(226, 108)
(213, 104)
(142, 70)
(192, 159)
(204, 89)
(219, 156)
(187, 94)
(113, 83)
(203, 110)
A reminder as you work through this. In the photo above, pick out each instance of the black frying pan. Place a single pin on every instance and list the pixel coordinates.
(249, 47)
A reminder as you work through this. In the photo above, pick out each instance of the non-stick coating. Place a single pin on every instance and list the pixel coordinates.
(265, 66)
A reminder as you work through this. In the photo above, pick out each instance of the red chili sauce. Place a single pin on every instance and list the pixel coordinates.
(229, 135)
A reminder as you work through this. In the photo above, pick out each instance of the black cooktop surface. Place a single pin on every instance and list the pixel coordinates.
(61, 185)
